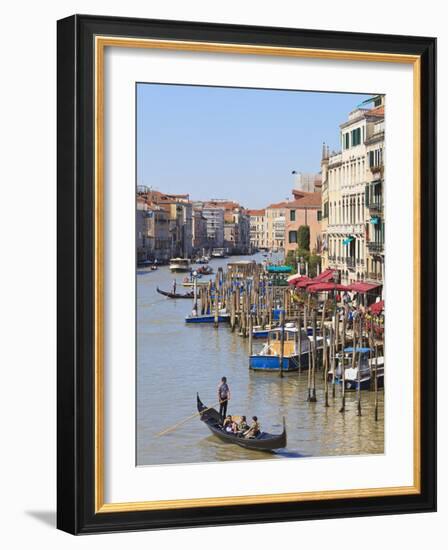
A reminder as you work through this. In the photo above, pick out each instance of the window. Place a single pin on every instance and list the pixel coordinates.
(375, 158)
(356, 137)
(292, 215)
(319, 215)
(293, 237)
(346, 140)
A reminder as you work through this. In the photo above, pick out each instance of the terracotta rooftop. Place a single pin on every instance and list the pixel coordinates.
(256, 212)
(308, 199)
(227, 205)
(377, 111)
(278, 205)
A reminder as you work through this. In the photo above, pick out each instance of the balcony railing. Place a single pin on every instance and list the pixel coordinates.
(376, 205)
(377, 167)
(374, 246)
(374, 276)
(350, 262)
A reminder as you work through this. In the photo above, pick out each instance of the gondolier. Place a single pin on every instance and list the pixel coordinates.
(223, 397)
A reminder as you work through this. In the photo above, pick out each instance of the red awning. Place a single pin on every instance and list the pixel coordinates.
(325, 277)
(303, 282)
(325, 287)
(377, 308)
(293, 279)
(363, 287)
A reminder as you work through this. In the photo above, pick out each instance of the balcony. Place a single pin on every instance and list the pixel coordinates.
(345, 229)
(350, 262)
(374, 276)
(375, 247)
(377, 169)
(376, 204)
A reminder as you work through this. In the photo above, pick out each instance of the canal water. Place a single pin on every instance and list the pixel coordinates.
(176, 360)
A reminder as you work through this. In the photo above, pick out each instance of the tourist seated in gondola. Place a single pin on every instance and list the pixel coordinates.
(254, 429)
(242, 426)
(227, 425)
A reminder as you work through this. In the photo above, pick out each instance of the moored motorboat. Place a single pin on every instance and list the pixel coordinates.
(262, 442)
(260, 332)
(223, 317)
(218, 253)
(295, 355)
(362, 375)
(175, 295)
(188, 283)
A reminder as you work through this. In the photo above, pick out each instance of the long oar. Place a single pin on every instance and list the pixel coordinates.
(171, 428)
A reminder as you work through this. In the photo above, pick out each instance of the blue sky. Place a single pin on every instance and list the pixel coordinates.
(239, 144)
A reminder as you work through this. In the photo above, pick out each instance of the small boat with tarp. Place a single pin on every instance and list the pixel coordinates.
(175, 295)
(264, 441)
(362, 375)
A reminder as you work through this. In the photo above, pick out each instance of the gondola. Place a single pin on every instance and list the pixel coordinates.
(175, 295)
(263, 442)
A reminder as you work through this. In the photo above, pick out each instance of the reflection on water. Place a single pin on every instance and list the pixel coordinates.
(175, 360)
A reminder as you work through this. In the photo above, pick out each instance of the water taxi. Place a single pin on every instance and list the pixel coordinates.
(218, 253)
(180, 264)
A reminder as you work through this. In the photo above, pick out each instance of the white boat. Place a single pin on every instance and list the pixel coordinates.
(180, 264)
(218, 253)
(367, 370)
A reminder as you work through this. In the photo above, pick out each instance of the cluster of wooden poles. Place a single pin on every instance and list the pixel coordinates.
(248, 296)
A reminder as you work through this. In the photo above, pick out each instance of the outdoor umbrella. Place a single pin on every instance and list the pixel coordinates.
(377, 308)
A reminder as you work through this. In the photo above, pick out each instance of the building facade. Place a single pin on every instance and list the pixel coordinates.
(200, 241)
(348, 182)
(374, 199)
(303, 211)
(258, 232)
(214, 217)
(237, 231)
(275, 226)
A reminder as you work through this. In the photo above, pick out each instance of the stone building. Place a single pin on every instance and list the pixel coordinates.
(214, 217)
(167, 231)
(347, 181)
(200, 241)
(258, 232)
(304, 210)
(275, 226)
